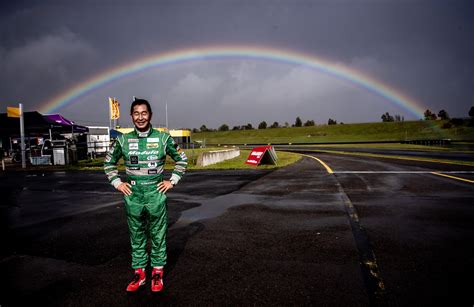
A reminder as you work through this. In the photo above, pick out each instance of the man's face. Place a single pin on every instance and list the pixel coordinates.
(141, 117)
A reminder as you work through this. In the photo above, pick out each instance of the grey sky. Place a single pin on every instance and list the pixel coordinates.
(422, 48)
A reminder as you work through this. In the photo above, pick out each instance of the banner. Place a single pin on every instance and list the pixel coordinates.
(262, 155)
(13, 112)
(114, 108)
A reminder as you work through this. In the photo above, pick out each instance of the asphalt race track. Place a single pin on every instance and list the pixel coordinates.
(375, 231)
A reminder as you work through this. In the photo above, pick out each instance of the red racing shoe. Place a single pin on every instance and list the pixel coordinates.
(157, 280)
(138, 280)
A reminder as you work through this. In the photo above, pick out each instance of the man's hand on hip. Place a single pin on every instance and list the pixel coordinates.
(125, 188)
(164, 186)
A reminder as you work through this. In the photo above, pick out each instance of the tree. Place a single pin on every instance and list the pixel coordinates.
(429, 115)
(387, 117)
(262, 125)
(332, 122)
(203, 128)
(399, 118)
(275, 125)
(224, 127)
(195, 130)
(309, 123)
(247, 127)
(298, 122)
(443, 114)
(236, 128)
(471, 112)
(287, 125)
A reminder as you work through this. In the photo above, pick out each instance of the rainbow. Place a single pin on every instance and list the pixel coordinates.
(234, 52)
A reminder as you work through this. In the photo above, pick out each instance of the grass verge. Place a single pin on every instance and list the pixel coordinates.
(284, 159)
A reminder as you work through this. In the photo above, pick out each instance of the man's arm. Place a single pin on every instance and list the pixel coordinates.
(173, 150)
(110, 167)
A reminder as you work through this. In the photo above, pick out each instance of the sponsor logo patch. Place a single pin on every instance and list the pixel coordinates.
(152, 140)
(134, 168)
(133, 146)
(152, 157)
(134, 159)
(145, 152)
(153, 171)
(132, 182)
(152, 145)
(133, 140)
(152, 165)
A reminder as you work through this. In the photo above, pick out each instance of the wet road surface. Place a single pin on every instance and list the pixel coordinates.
(293, 236)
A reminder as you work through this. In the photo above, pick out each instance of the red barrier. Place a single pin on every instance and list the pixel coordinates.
(262, 155)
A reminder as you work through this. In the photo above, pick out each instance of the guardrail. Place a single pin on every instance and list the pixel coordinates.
(216, 156)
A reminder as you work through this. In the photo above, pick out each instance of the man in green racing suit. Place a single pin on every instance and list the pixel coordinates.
(144, 152)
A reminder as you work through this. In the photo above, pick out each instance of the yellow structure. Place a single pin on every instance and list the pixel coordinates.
(180, 133)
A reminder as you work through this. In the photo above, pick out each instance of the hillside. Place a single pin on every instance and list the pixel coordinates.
(390, 131)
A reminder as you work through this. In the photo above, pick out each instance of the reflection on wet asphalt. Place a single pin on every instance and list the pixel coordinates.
(214, 207)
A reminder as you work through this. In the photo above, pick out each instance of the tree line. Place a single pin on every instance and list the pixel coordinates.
(263, 125)
(428, 115)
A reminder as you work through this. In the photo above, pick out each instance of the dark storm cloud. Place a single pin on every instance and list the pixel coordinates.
(423, 48)
(50, 61)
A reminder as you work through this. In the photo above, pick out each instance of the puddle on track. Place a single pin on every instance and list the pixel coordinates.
(214, 207)
(211, 208)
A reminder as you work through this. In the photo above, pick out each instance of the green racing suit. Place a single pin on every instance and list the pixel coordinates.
(144, 154)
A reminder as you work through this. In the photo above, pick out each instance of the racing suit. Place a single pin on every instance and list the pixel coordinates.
(144, 154)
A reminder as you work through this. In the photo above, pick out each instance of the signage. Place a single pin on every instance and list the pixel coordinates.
(262, 155)
(114, 108)
(13, 112)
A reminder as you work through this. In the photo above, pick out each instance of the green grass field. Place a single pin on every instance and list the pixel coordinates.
(284, 158)
(392, 131)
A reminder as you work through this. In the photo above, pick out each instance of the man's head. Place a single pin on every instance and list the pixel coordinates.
(141, 113)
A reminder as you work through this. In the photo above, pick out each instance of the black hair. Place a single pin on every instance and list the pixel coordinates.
(137, 102)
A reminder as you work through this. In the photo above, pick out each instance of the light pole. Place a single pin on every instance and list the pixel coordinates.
(22, 135)
(166, 113)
